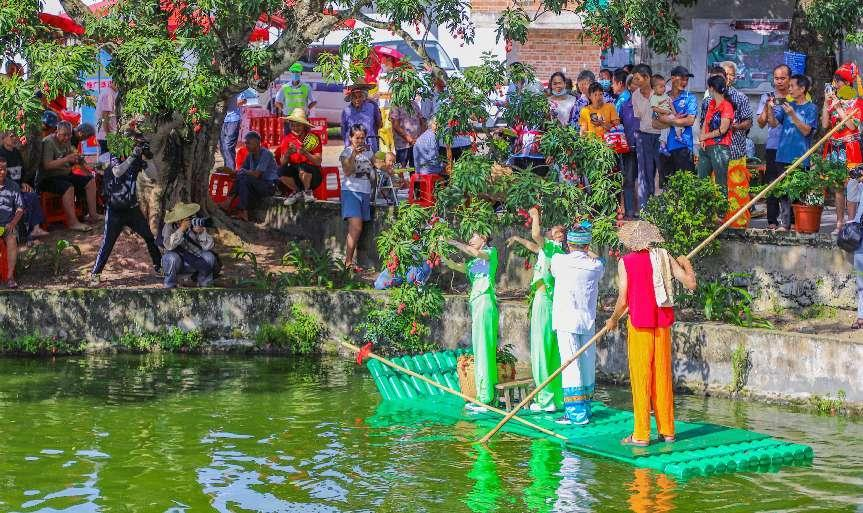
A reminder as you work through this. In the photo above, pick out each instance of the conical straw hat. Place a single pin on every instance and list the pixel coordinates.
(638, 235)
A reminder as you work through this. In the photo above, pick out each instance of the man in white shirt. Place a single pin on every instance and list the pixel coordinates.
(106, 116)
(576, 287)
(647, 137)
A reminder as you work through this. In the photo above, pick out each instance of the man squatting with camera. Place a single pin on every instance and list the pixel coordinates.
(121, 197)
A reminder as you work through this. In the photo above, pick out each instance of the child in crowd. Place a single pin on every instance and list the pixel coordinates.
(660, 104)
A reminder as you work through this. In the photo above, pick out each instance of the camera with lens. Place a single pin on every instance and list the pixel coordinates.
(856, 172)
(202, 222)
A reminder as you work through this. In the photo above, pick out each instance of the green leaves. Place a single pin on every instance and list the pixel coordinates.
(512, 25)
(808, 185)
(348, 65)
(686, 212)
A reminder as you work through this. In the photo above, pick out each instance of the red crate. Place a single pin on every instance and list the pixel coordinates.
(320, 129)
(52, 207)
(421, 191)
(220, 186)
(4, 264)
(331, 184)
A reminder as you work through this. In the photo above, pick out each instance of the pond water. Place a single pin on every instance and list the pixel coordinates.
(163, 433)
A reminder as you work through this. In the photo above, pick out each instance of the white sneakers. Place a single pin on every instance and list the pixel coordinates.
(548, 409)
(307, 196)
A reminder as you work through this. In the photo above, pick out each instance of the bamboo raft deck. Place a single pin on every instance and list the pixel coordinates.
(700, 449)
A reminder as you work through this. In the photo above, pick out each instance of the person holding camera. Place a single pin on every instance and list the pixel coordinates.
(358, 172)
(121, 198)
(58, 157)
(188, 246)
(781, 81)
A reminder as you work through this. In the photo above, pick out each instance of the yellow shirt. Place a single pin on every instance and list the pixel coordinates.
(605, 113)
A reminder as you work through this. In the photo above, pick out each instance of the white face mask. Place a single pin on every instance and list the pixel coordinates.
(295, 77)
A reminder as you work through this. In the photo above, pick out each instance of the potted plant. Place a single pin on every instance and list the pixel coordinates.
(806, 189)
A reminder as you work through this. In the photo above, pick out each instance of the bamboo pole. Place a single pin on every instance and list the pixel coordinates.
(691, 254)
(450, 390)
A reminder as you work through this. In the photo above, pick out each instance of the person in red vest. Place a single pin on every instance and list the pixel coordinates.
(645, 287)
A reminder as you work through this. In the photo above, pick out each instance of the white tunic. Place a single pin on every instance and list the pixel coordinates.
(576, 288)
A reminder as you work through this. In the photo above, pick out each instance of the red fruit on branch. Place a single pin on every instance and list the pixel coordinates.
(508, 45)
(193, 110)
(401, 308)
(527, 265)
(416, 237)
(23, 140)
(20, 115)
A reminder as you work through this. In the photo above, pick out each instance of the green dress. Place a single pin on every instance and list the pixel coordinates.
(544, 353)
(484, 321)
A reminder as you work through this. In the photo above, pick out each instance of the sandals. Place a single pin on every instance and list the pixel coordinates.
(857, 324)
(667, 439)
(629, 440)
(81, 227)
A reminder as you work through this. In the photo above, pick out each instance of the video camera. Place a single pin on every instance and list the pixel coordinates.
(142, 145)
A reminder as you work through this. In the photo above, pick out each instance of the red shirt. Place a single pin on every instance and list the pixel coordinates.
(713, 121)
(291, 139)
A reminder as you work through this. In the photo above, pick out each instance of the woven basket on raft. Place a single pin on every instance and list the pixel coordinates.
(466, 381)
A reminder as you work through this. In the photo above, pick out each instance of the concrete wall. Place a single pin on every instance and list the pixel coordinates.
(783, 365)
(787, 270)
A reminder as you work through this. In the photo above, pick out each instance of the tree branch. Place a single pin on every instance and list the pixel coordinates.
(411, 42)
(76, 9)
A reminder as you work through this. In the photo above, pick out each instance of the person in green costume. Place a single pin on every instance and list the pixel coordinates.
(481, 270)
(544, 354)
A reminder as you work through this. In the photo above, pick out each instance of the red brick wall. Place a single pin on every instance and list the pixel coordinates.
(550, 50)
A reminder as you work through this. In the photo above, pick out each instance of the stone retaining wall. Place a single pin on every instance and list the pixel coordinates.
(782, 365)
(785, 270)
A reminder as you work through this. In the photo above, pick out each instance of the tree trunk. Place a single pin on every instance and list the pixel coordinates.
(185, 158)
(820, 55)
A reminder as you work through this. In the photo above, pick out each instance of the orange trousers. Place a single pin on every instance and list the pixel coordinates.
(650, 375)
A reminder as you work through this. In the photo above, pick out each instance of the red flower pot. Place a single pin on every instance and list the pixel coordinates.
(807, 218)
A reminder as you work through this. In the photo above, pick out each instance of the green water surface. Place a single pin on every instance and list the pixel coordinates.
(162, 433)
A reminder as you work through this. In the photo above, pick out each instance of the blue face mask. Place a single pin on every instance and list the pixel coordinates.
(606, 84)
(295, 77)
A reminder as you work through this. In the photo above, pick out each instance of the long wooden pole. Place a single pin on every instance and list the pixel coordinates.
(450, 390)
(691, 254)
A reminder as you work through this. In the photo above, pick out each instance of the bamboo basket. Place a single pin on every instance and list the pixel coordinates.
(465, 371)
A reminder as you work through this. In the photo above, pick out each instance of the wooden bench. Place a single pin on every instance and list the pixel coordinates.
(510, 393)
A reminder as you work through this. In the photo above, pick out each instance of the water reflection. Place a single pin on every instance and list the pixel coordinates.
(161, 433)
(651, 492)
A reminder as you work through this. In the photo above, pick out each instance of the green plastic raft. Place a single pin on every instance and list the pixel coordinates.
(699, 449)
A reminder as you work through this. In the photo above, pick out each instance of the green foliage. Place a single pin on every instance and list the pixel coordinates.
(396, 329)
(302, 333)
(348, 65)
(312, 268)
(826, 405)
(505, 356)
(172, 340)
(833, 20)
(741, 362)
(726, 301)
(529, 109)
(120, 144)
(54, 256)
(808, 186)
(686, 212)
(37, 344)
(818, 312)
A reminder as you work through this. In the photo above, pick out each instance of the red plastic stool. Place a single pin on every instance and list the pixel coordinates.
(421, 191)
(220, 186)
(242, 153)
(331, 184)
(320, 129)
(4, 264)
(52, 207)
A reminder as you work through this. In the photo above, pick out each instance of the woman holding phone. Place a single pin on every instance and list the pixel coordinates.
(358, 171)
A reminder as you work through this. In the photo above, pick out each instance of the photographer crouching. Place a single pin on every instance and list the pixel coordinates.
(188, 246)
(121, 197)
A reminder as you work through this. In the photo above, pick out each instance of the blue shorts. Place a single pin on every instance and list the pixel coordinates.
(356, 204)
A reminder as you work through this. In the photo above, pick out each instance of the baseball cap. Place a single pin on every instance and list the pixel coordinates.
(680, 71)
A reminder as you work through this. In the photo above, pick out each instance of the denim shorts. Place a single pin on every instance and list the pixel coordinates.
(356, 204)
(852, 190)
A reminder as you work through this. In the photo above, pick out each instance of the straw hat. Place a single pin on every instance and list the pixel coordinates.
(638, 235)
(181, 211)
(298, 115)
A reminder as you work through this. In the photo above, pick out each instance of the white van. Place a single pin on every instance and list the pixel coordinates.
(329, 96)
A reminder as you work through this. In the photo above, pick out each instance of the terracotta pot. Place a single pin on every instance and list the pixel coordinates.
(807, 218)
(466, 381)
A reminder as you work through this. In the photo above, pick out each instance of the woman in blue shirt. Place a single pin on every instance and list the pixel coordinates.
(798, 120)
